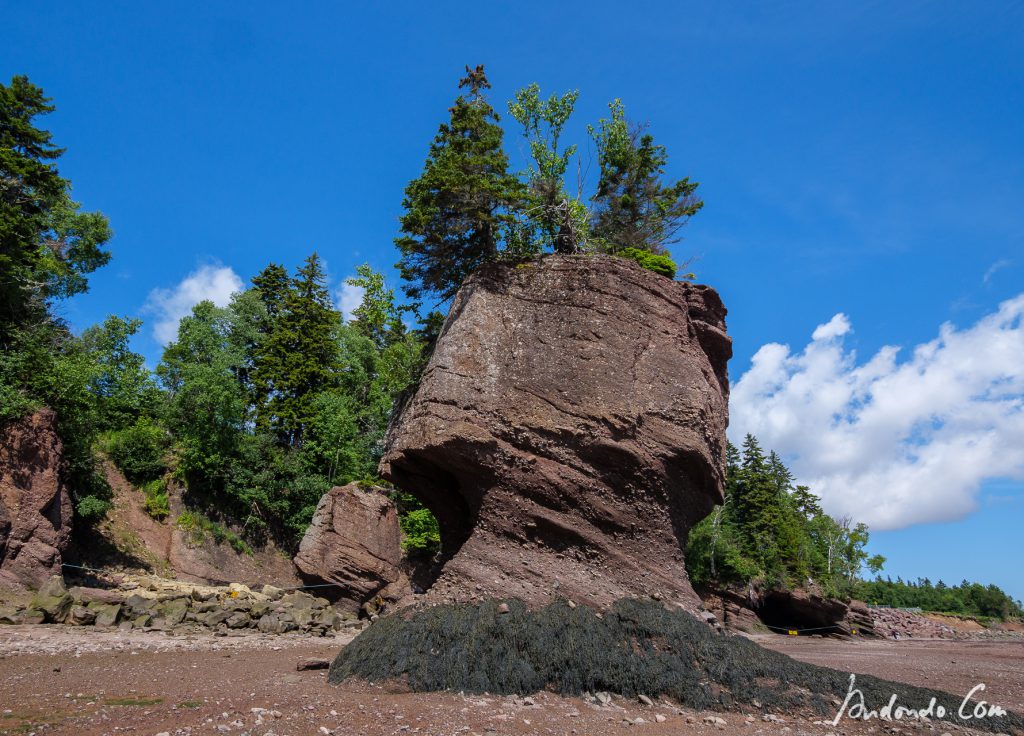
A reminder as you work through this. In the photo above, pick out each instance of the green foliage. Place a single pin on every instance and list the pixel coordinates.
(970, 599)
(122, 386)
(773, 532)
(156, 504)
(47, 245)
(421, 536)
(459, 209)
(561, 220)
(272, 400)
(658, 262)
(139, 450)
(199, 528)
(91, 509)
(632, 207)
(298, 358)
(466, 209)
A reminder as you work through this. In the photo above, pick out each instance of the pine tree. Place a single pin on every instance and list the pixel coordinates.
(299, 357)
(633, 208)
(457, 210)
(270, 292)
(47, 246)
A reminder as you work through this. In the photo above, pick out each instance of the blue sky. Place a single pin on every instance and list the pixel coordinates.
(856, 159)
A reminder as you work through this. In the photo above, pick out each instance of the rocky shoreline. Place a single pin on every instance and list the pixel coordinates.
(151, 603)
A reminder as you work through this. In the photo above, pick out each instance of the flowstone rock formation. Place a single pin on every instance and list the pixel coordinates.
(354, 542)
(35, 507)
(568, 431)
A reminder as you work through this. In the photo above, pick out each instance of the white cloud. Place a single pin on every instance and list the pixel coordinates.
(348, 298)
(210, 282)
(997, 266)
(890, 442)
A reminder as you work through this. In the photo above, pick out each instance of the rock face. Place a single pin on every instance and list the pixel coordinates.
(163, 547)
(35, 507)
(807, 611)
(355, 542)
(568, 431)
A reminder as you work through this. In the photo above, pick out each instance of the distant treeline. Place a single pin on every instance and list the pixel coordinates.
(774, 532)
(971, 599)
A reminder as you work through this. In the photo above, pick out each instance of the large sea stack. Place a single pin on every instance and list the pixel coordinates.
(568, 431)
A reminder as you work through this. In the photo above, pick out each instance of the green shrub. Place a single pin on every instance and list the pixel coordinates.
(662, 264)
(421, 536)
(157, 504)
(199, 528)
(92, 508)
(139, 450)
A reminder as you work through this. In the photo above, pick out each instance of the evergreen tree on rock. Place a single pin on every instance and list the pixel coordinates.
(633, 207)
(457, 211)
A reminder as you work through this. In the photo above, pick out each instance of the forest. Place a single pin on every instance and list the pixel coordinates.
(257, 408)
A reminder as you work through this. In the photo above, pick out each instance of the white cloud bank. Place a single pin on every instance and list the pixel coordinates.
(348, 297)
(893, 443)
(210, 282)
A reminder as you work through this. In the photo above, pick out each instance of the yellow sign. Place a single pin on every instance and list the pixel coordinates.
(793, 633)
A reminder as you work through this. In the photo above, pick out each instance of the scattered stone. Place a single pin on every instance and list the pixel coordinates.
(81, 616)
(313, 664)
(645, 700)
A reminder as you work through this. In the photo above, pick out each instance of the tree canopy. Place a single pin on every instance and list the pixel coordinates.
(47, 244)
(467, 209)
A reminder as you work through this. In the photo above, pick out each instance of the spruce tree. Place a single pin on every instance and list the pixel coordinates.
(270, 291)
(47, 246)
(633, 207)
(299, 356)
(457, 210)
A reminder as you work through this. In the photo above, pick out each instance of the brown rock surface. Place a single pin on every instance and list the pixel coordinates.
(568, 431)
(35, 507)
(355, 542)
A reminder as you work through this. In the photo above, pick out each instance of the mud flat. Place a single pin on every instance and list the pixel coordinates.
(67, 680)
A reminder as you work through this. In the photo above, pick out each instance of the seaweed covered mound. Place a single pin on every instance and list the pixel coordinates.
(636, 647)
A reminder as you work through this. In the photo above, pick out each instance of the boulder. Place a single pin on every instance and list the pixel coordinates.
(273, 623)
(81, 616)
(172, 611)
(96, 595)
(9, 615)
(31, 616)
(568, 431)
(106, 613)
(354, 542)
(53, 600)
(238, 620)
(35, 506)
